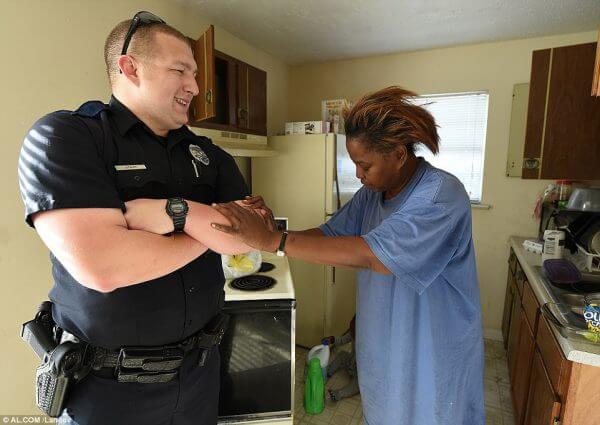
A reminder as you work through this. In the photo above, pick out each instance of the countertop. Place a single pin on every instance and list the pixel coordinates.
(579, 352)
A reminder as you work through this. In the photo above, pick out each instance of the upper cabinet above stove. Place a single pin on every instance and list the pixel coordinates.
(233, 94)
(562, 137)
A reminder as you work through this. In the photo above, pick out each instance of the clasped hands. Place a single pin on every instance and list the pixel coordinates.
(250, 220)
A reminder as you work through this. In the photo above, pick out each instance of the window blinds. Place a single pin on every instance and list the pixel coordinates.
(462, 122)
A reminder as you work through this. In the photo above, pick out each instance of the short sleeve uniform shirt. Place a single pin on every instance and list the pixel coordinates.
(101, 156)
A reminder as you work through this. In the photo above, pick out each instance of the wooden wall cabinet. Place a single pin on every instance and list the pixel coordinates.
(562, 137)
(232, 94)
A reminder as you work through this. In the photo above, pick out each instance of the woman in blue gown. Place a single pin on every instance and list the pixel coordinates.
(419, 345)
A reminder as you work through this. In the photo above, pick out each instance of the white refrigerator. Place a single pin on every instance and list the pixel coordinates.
(310, 178)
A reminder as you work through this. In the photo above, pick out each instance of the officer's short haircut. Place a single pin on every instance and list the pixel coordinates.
(141, 44)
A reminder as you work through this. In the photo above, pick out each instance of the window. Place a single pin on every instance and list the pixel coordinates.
(462, 123)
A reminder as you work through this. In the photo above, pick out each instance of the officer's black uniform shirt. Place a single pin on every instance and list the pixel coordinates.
(101, 156)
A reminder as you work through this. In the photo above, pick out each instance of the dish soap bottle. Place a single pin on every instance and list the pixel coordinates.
(314, 388)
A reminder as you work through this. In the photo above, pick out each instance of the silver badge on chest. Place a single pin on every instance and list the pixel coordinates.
(199, 154)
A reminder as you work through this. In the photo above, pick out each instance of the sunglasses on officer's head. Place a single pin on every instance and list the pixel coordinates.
(139, 19)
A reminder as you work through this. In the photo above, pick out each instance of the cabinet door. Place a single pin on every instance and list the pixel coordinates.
(543, 406)
(252, 99)
(519, 377)
(513, 333)
(203, 106)
(563, 122)
(534, 131)
(557, 366)
(508, 305)
(596, 80)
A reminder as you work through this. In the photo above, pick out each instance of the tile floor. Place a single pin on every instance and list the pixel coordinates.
(498, 405)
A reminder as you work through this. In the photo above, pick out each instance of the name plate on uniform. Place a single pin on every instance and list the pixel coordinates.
(127, 167)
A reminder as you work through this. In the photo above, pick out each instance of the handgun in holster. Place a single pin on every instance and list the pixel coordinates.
(211, 336)
(62, 364)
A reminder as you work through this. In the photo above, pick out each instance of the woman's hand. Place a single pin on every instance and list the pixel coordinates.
(247, 226)
(148, 215)
(257, 203)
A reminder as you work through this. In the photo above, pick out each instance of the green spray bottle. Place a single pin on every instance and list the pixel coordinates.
(314, 388)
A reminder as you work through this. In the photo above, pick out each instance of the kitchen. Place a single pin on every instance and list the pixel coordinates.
(294, 92)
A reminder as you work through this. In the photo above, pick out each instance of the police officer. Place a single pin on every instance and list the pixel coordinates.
(114, 287)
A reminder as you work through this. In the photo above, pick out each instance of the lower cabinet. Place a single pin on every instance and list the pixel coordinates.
(514, 334)
(546, 388)
(509, 299)
(543, 404)
(519, 377)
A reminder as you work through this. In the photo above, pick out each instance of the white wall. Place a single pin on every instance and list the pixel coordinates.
(494, 67)
(52, 59)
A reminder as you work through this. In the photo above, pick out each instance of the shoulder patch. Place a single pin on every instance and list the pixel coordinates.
(90, 108)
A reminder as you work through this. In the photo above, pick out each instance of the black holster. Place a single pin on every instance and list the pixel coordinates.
(62, 364)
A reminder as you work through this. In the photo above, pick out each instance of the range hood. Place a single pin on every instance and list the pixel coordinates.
(237, 144)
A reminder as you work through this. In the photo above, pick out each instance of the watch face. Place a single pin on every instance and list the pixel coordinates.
(177, 208)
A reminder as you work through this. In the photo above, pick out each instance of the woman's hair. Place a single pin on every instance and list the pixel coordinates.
(387, 118)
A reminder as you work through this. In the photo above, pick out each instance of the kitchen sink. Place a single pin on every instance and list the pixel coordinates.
(590, 283)
(568, 304)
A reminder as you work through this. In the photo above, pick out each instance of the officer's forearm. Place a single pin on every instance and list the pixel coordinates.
(143, 256)
(197, 225)
(98, 250)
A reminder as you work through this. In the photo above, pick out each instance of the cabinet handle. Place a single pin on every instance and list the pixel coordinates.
(242, 113)
(208, 96)
(531, 163)
(556, 413)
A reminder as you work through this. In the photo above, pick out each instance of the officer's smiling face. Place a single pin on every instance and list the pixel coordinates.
(167, 84)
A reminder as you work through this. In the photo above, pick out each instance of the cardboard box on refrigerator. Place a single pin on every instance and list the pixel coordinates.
(299, 127)
(313, 127)
(289, 128)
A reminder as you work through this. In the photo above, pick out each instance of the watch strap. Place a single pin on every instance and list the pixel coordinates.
(281, 248)
(178, 223)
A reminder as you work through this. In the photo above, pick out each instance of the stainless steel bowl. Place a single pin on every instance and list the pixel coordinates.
(585, 199)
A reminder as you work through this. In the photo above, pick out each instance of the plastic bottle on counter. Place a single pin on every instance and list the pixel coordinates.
(554, 242)
(314, 388)
(321, 352)
(563, 188)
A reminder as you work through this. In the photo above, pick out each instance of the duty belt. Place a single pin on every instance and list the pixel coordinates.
(149, 365)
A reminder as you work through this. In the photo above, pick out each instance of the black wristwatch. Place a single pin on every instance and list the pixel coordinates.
(177, 209)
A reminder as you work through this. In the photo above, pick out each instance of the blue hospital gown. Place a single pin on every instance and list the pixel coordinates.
(419, 344)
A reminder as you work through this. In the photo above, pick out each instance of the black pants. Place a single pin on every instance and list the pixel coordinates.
(191, 398)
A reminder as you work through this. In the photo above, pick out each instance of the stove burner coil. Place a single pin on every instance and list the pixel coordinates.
(253, 282)
(266, 267)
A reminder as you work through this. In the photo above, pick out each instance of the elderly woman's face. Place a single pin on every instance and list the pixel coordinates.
(377, 171)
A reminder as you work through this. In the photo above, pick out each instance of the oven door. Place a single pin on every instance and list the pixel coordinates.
(257, 361)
